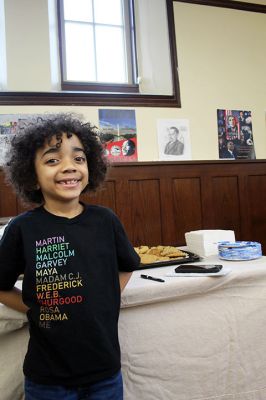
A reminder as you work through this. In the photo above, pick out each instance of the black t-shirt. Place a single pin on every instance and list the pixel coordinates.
(71, 286)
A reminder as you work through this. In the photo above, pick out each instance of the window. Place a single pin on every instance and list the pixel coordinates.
(3, 77)
(97, 45)
(150, 75)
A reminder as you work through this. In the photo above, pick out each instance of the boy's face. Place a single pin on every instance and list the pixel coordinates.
(62, 173)
(125, 147)
(230, 146)
(173, 134)
(231, 121)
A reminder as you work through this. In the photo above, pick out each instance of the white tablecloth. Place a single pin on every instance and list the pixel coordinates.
(196, 338)
(185, 339)
(13, 344)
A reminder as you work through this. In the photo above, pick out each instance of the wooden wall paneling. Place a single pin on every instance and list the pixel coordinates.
(207, 210)
(8, 203)
(159, 201)
(226, 204)
(183, 201)
(167, 211)
(244, 223)
(145, 212)
(123, 206)
(256, 210)
(187, 207)
(105, 196)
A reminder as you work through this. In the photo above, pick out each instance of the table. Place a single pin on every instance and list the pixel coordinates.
(13, 344)
(188, 338)
(196, 338)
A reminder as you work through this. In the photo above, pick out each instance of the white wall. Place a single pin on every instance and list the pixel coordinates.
(222, 64)
(26, 27)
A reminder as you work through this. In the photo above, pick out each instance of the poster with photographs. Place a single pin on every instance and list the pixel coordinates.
(235, 136)
(118, 134)
(173, 139)
(11, 124)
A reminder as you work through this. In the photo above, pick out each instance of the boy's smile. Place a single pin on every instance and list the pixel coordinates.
(62, 172)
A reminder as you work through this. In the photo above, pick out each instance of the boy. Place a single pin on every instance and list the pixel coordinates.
(72, 256)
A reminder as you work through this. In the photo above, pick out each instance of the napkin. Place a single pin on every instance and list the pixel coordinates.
(205, 242)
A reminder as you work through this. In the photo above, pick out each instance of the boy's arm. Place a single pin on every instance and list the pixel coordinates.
(124, 278)
(13, 299)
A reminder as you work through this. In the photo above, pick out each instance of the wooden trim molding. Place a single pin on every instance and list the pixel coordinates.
(87, 99)
(236, 5)
(185, 162)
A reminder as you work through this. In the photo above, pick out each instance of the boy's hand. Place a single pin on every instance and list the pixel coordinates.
(13, 299)
(124, 278)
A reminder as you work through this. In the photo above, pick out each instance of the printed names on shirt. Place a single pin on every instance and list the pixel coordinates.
(53, 278)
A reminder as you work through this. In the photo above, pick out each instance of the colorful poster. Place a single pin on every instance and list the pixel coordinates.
(118, 134)
(173, 139)
(9, 125)
(235, 136)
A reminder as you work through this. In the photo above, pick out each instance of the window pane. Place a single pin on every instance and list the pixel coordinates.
(110, 55)
(108, 12)
(78, 10)
(79, 52)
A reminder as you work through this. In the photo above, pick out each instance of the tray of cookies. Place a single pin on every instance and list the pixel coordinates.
(160, 256)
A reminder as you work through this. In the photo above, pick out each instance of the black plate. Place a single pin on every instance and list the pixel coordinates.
(191, 258)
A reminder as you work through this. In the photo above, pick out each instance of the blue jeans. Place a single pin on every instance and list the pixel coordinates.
(107, 389)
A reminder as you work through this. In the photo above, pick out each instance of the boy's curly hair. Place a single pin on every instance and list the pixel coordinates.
(20, 168)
